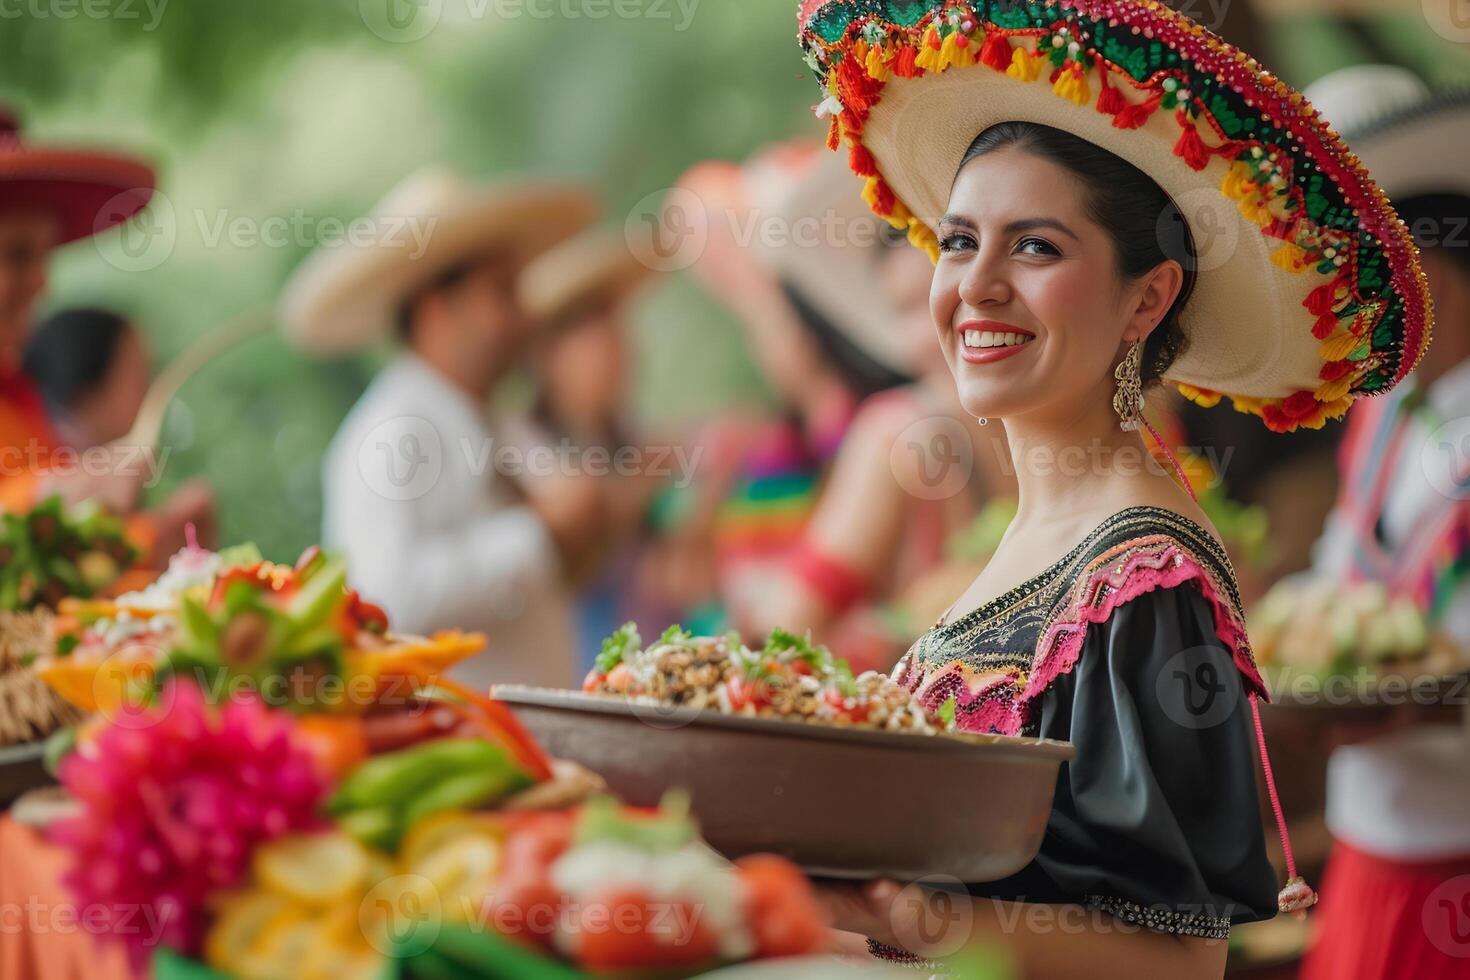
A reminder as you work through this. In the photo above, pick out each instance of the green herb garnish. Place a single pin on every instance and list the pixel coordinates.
(616, 648)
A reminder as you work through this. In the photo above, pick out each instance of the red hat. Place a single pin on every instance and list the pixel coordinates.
(87, 191)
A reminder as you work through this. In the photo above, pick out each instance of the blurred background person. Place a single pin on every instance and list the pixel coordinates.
(1398, 806)
(50, 197)
(91, 367)
(414, 499)
(822, 334)
(912, 470)
(583, 368)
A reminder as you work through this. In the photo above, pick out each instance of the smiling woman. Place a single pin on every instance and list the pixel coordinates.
(1067, 281)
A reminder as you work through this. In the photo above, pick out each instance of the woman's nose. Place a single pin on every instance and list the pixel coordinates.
(984, 282)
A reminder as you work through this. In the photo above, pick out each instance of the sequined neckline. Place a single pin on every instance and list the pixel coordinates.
(988, 609)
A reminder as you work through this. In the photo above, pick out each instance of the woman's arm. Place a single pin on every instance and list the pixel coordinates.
(1043, 942)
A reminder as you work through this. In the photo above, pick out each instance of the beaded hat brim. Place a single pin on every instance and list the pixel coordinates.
(1308, 292)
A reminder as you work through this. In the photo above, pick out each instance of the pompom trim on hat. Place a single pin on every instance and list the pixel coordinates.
(1130, 59)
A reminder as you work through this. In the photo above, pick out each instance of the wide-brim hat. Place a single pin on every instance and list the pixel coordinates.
(1308, 290)
(1413, 141)
(345, 296)
(594, 268)
(800, 212)
(86, 191)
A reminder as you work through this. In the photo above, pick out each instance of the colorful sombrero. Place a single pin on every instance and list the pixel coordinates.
(1305, 261)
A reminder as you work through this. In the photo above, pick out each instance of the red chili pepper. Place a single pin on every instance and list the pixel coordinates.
(501, 723)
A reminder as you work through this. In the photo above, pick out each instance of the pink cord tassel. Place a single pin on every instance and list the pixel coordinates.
(1297, 896)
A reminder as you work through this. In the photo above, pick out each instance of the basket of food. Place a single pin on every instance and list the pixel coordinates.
(784, 750)
(1353, 647)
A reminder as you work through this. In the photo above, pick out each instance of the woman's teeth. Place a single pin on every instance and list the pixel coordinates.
(990, 338)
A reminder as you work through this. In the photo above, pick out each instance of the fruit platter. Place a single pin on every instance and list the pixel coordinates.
(262, 830)
(231, 618)
(762, 738)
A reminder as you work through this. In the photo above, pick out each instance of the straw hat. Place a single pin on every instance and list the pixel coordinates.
(87, 191)
(806, 225)
(1308, 292)
(346, 296)
(1413, 141)
(593, 267)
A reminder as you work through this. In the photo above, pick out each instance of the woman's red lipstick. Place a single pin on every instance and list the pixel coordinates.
(989, 355)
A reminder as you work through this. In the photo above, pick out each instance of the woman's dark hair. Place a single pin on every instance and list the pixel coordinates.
(1144, 223)
(70, 352)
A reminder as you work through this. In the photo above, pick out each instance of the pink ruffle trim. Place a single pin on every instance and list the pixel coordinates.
(999, 702)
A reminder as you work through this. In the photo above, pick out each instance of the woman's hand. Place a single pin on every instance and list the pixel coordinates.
(861, 907)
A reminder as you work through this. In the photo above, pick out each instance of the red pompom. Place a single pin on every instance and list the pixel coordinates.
(996, 51)
(1322, 299)
(1333, 370)
(862, 162)
(903, 63)
(1326, 323)
(1134, 116)
(1191, 148)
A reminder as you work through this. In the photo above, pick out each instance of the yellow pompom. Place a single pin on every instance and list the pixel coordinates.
(952, 53)
(1024, 66)
(877, 64)
(1339, 346)
(1248, 406)
(930, 52)
(1331, 391)
(1072, 85)
(1290, 257)
(921, 237)
(1200, 396)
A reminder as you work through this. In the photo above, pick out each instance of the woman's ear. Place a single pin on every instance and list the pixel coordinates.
(1160, 288)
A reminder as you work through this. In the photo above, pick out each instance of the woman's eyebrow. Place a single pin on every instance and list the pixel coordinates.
(1014, 227)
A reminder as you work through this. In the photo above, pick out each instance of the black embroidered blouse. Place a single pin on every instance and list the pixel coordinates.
(1132, 647)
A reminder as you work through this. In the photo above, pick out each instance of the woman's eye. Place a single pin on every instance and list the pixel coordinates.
(1037, 246)
(955, 243)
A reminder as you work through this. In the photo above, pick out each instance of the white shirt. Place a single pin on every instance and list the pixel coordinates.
(430, 532)
(1416, 490)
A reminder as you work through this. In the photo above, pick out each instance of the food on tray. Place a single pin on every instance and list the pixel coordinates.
(1326, 628)
(788, 678)
(29, 709)
(234, 618)
(54, 551)
(437, 833)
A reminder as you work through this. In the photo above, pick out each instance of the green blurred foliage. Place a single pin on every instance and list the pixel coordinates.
(280, 108)
(262, 108)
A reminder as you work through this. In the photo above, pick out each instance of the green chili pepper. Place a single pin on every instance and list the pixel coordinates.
(465, 791)
(396, 777)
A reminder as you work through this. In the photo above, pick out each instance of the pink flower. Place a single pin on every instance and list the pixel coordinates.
(174, 799)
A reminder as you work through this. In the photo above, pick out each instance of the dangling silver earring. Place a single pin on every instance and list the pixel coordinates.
(1128, 400)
